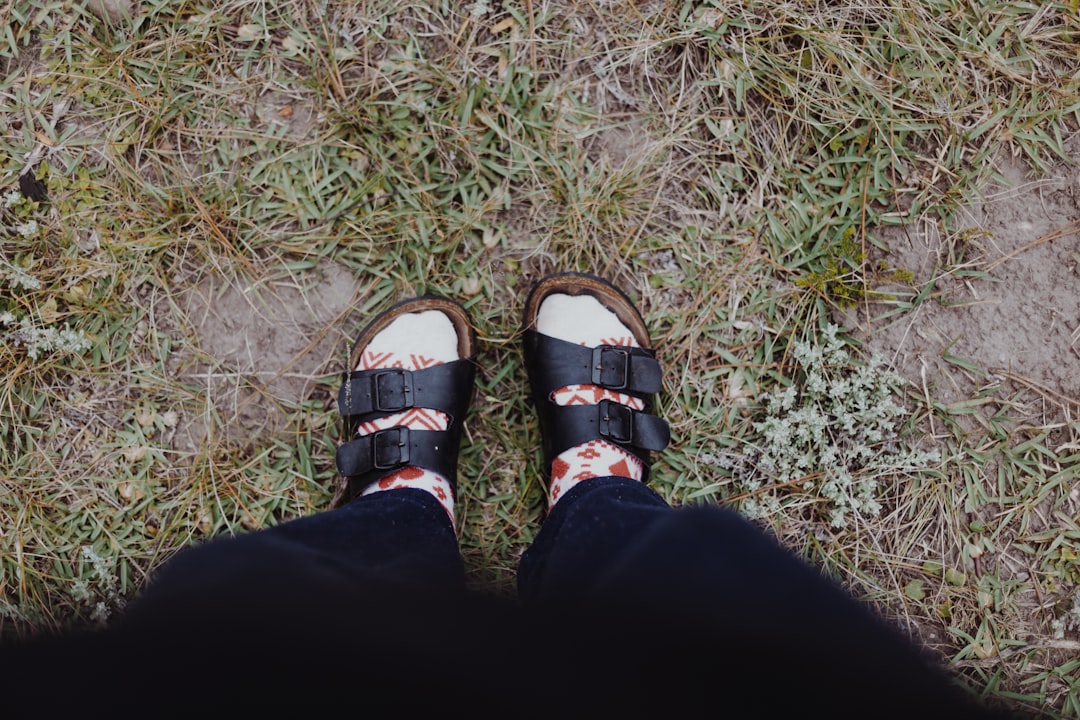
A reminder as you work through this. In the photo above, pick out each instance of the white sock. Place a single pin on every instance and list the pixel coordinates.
(583, 320)
(412, 342)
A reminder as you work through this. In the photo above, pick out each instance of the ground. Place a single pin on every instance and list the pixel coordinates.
(1007, 303)
(997, 347)
(232, 188)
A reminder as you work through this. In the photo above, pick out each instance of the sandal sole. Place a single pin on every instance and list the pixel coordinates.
(575, 283)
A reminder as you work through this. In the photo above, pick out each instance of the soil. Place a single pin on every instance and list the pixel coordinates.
(1001, 323)
(1004, 304)
(263, 346)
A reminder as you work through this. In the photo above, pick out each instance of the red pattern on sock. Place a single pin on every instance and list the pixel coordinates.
(413, 418)
(597, 458)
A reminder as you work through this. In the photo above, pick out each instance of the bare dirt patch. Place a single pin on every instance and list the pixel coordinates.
(1004, 296)
(997, 328)
(262, 346)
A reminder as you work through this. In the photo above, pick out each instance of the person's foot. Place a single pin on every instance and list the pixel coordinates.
(593, 374)
(405, 400)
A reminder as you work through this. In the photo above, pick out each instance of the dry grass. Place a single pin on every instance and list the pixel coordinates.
(727, 163)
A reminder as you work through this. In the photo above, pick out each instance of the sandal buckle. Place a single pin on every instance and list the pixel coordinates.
(392, 390)
(616, 422)
(614, 374)
(390, 447)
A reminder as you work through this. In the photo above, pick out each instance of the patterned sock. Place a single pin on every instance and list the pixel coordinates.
(582, 319)
(412, 342)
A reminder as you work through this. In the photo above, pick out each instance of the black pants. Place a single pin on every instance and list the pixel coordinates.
(627, 607)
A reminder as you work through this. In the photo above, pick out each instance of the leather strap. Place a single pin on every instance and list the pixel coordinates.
(576, 424)
(392, 390)
(369, 458)
(557, 363)
(367, 395)
(552, 364)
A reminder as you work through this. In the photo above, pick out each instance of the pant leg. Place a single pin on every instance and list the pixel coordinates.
(388, 540)
(634, 610)
(348, 603)
(697, 604)
(584, 536)
(357, 611)
(293, 588)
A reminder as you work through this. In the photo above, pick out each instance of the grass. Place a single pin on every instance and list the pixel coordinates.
(730, 164)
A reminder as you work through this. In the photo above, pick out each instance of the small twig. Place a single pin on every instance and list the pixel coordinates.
(774, 486)
(1041, 389)
(929, 403)
(532, 34)
(1059, 644)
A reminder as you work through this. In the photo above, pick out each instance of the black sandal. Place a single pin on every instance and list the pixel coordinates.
(367, 395)
(552, 364)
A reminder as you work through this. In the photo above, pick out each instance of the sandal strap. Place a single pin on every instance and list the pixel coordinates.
(571, 425)
(390, 390)
(369, 458)
(553, 363)
(367, 395)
